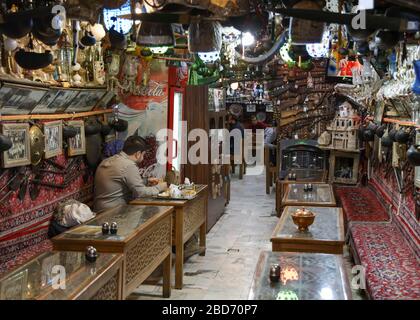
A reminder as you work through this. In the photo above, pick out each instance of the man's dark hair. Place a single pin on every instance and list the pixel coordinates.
(134, 144)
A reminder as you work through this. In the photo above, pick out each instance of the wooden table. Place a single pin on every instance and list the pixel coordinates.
(325, 235)
(321, 196)
(190, 216)
(143, 237)
(304, 276)
(44, 277)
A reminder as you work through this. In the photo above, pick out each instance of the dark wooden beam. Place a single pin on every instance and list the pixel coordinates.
(410, 4)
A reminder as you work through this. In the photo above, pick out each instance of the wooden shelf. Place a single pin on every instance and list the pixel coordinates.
(57, 116)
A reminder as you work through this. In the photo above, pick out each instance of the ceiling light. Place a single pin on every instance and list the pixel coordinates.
(320, 50)
(155, 34)
(159, 50)
(284, 52)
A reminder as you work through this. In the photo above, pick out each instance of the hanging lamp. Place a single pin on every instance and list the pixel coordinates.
(156, 35)
(205, 36)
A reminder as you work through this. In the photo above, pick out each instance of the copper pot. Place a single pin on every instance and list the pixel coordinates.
(303, 218)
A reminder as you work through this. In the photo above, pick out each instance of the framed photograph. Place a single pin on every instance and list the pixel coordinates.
(18, 99)
(105, 100)
(14, 287)
(269, 107)
(219, 97)
(379, 112)
(251, 108)
(77, 145)
(53, 133)
(19, 154)
(62, 100)
(44, 104)
(86, 100)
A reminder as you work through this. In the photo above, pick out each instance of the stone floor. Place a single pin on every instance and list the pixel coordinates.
(233, 247)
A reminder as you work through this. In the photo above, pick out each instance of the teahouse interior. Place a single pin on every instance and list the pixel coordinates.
(209, 150)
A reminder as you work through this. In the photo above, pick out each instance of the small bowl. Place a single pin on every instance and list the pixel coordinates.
(303, 219)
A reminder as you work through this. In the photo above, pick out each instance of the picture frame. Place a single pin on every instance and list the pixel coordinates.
(251, 108)
(62, 99)
(269, 107)
(77, 145)
(19, 154)
(219, 96)
(344, 167)
(43, 105)
(14, 287)
(53, 133)
(379, 112)
(85, 100)
(18, 99)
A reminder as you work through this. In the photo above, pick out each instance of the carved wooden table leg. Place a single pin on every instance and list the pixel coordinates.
(179, 244)
(167, 265)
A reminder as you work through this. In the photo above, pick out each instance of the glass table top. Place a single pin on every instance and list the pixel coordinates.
(304, 276)
(327, 225)
(129, 218)
(321, 193)
(53, 275)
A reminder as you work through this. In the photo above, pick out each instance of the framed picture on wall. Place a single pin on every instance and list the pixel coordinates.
(77, 144)
(251, 108)
(269, 107)
(62, 99)
(43, 105)
(18, 99)
(19, 154)
(379, 111)
(86, 100)
(219, 97)
(53, 133)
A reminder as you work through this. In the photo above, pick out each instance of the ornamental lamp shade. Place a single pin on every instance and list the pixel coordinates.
(205, 36)
(155, 34)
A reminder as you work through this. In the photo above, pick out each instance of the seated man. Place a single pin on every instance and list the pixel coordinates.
(118, 180)
(270, 140)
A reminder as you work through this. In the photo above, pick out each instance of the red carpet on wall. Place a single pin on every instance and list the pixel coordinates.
(392, 269)
(361, 204)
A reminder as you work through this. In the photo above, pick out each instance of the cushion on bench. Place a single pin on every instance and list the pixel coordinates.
(361, 204)
(25, 255)
(392, 270)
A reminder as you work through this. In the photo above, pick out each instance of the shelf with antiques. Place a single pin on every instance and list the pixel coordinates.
(143, 234)
(324, 235)
(65, 275)
(190, 216)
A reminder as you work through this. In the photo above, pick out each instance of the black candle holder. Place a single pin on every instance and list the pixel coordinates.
(114, 228)
(105, 228)
(91, 254)
(275, 271)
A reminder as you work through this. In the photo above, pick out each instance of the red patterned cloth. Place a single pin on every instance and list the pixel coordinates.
(361, 204)
(392, 269)
(25, 255)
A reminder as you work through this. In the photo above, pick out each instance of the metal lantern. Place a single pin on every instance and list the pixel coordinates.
(155, 34)
(205, 36)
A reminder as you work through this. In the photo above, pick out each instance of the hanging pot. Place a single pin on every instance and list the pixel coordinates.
(69, 132)
(380, 130)
(119, 125)
(92, 127)
(402, 136)
(413, 155)
(392, 134)
(372, 126)
(43, 31)
(387, 39)
(88, 40)
(93, 150)
(33, 60)
(118, 40)
(105, 129)
(17, 29)
(369, 134)
(359, 34)
(5, 143)
(386, 142)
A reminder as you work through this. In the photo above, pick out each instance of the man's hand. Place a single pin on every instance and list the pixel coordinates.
(153, 181)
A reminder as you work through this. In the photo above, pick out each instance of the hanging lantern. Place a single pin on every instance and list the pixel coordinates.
(320, 50)
(155, 35)
(205, 36)
(209, 57)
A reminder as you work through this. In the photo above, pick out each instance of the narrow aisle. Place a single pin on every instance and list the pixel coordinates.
(233, 247)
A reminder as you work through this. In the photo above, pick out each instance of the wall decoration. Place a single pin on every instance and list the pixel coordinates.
(14, 288)
(86, 100)
(344, 167)
(77, 145)
(53, 132)
(18, 99)
(62, 100)
(269, 107)
(43, 105)
(18, 154)
(251, 108)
